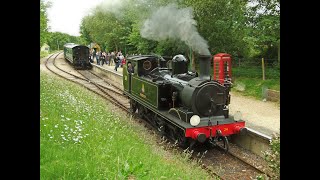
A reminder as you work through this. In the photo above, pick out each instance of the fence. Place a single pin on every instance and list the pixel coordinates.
(264, 68)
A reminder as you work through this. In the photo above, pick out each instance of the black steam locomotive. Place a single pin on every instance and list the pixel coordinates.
(77, 55)
(183, 105)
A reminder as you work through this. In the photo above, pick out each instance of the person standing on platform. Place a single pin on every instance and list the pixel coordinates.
(93, 54)
(116, 61)
(108, 59)
(112, 58)
(121, 57)
(98, 57)
(103, 58)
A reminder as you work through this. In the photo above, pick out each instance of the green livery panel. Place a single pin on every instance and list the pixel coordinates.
(125, 79)
(147, 91)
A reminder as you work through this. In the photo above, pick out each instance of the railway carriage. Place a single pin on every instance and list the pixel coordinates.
(77, 55)
(186, 107)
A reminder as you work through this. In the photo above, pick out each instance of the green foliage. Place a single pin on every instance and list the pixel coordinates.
(229, 26)
(256, 72)
(43, 54)
(273, 156)
(82, 138)
(264, 22)
(254, 86)
(56, 40)
(43, 22)
(139, 44)
(222, 23)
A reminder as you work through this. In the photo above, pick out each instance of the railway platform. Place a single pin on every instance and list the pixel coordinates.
(261, 117)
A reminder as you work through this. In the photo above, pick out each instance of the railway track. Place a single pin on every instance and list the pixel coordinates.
(235, 167)
(95, 85)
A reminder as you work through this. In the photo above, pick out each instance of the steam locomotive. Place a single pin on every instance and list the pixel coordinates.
(188, 107)
(77, 55)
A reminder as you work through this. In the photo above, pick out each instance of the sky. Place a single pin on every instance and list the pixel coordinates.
(65, 15)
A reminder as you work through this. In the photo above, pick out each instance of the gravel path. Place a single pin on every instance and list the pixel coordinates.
(260, 116)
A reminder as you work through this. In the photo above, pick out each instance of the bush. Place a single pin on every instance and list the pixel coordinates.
(43, 54)
(273, 156)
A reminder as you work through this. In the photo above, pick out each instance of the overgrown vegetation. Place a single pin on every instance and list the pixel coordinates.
(248, 80)
(43, 54)
(254, 87)
(81, 137)
(273, 157)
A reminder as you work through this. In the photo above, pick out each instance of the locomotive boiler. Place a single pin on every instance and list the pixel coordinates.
(199, 94)
(186, 106)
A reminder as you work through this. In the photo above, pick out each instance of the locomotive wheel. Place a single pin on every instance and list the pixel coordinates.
(133, 106)
(140, 111)
(182, 140)
(159, 124)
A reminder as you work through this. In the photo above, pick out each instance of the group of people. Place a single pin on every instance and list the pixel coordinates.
(108, 58)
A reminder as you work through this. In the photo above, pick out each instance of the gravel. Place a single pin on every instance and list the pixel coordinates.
(262, 116)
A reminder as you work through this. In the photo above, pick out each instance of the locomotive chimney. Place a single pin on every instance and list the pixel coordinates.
(205, 66)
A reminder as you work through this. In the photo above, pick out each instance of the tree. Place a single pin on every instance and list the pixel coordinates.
(221, 23)
(43, 22)
(230, 26)
(264, 22)
(57, 40)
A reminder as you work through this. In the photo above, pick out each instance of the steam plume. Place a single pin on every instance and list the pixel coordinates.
(113, 6)
(169, 22)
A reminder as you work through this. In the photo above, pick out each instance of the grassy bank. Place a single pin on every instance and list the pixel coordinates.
(82, 138)
(254, 86)
(44, 54)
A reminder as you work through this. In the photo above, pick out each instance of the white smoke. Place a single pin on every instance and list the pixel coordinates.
(169, 22)
(112, 6)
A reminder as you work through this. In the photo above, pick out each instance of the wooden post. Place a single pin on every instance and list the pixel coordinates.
(263, 73)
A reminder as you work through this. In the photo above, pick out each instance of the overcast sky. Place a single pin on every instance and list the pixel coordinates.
(65, 15)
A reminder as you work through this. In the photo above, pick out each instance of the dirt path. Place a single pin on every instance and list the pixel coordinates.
(260, 116)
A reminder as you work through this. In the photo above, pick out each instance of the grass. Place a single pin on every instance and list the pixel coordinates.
(254, 87)
(44, 54)
(81, 137)
(256, 72)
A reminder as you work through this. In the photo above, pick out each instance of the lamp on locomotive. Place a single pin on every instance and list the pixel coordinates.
(222, 67)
